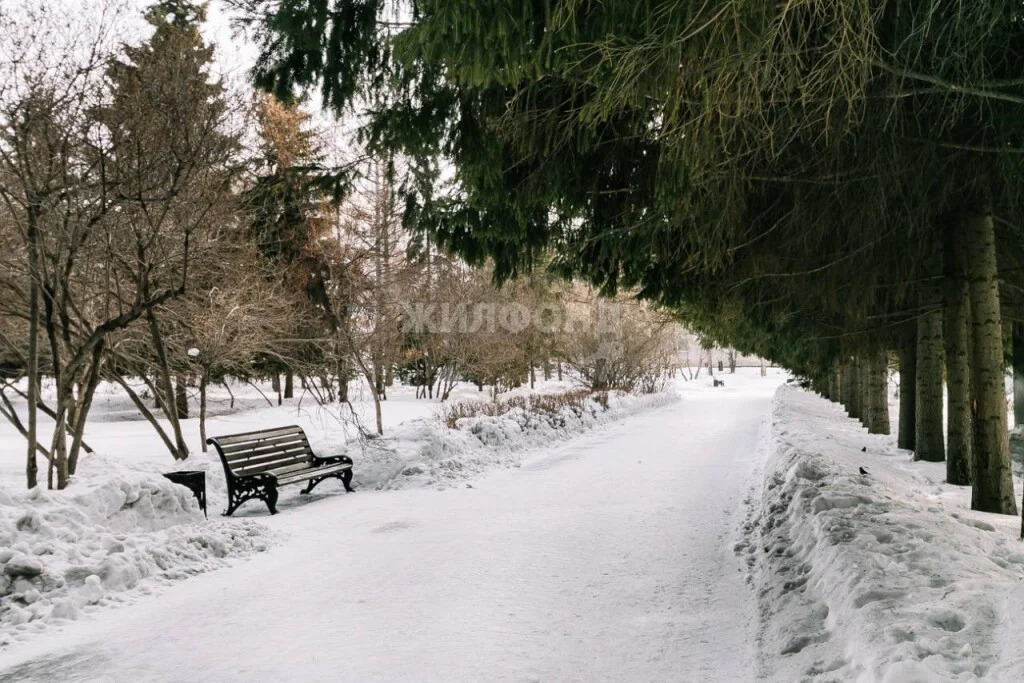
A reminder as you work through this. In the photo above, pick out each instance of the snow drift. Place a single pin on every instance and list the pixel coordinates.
(868, 568)
(117, 529)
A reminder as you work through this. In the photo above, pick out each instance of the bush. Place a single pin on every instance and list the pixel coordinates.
(550, 405)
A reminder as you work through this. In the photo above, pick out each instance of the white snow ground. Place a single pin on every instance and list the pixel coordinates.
(884, 576)
(610, 558)
(121, 529)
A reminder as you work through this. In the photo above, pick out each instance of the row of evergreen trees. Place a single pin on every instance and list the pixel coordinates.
(821, 183)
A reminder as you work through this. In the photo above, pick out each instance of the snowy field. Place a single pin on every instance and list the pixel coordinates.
(885, 575)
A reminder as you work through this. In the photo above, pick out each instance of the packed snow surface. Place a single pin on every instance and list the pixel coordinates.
(606, 557)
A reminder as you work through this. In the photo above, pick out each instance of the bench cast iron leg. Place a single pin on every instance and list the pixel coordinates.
(260, 487)
(345, 476)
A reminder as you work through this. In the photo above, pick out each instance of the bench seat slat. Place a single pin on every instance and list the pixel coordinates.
(280, 441)
(294, 471)
(258, 450)
(309, 474)
(241, 459)
(278, 467)
(264, 434)
(288, 473)
(273, 467)
(265, 456)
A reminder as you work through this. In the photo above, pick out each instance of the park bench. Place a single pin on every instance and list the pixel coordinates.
(257, 463)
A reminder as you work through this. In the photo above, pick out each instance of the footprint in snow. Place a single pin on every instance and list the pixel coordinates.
(948, 620)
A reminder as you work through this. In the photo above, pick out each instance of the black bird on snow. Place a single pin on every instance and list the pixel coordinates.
(862, 470)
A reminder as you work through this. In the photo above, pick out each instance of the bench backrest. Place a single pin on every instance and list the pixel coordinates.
(269, 450)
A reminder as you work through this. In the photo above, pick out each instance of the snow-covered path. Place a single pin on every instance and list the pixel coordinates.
(609, 559)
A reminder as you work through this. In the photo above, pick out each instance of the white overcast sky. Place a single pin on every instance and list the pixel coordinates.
(235, 53)
(72, 24)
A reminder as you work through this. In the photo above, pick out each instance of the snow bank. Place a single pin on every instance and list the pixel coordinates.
(876, 576)
(427, 453)
(117, 530)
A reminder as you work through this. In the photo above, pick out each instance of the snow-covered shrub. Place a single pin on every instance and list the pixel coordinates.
(578, 402)
(471, 439)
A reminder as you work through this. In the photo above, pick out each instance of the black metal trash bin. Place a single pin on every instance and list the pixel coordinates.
(194, 481)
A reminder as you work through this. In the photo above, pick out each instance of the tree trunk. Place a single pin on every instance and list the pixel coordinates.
(878, 393)
(58, 450)
(227, 388)
(32, 372)
(956, 307)
(181, 396)
(855, 409)
(377, 413)
(289, 385)
(275, 385)
(867, 404)
(379, 375)
(165, 386)
(993, 482)
(846, 386)
(928, 430)
(84, 405)
(342, 388)
(202, 411)
(908, 393)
